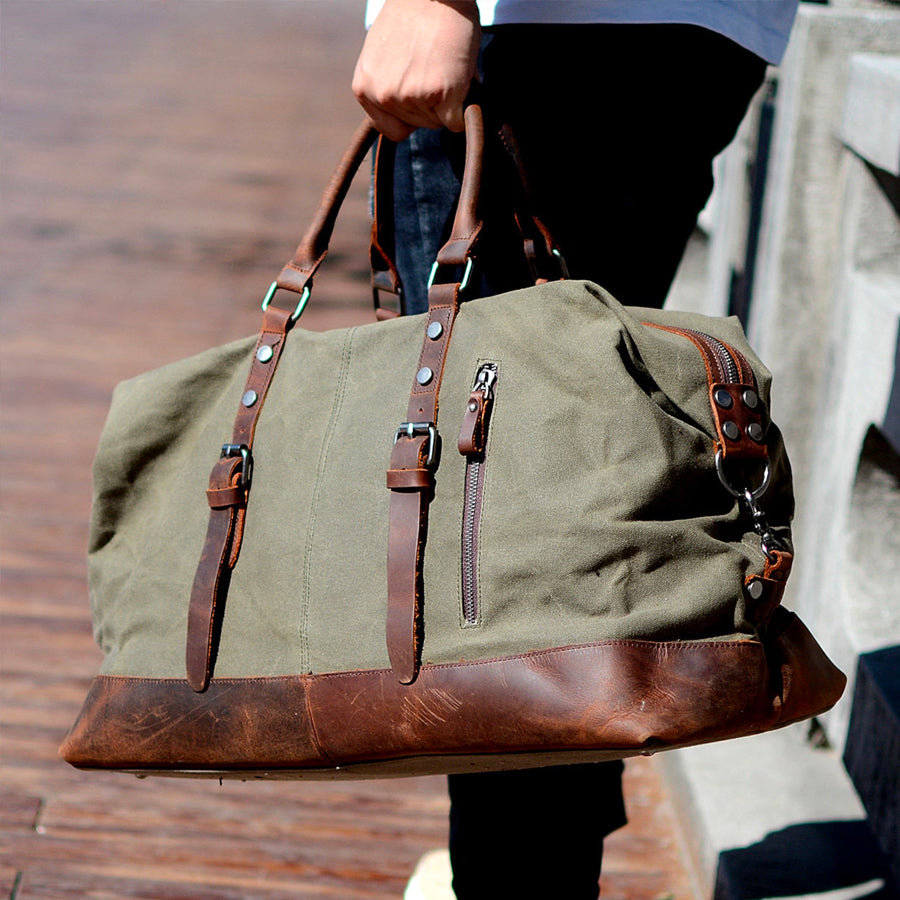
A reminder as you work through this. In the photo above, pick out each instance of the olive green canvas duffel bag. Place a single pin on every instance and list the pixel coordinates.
(581, 557)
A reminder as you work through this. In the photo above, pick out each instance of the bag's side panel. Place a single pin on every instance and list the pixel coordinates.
(164, 431)
(660, 349)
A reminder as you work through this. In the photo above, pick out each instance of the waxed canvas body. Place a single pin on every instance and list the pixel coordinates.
(602, 515)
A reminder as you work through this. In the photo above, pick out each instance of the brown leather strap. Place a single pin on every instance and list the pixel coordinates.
(229, 487)
(385, 276)
(414, 456)
(230, 479)
(765, 592)
(411, 482)
(311, 251)
(542, 253)
(212, 570)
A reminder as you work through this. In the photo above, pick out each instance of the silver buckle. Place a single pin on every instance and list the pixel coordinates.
(411, 429)
(242, 450)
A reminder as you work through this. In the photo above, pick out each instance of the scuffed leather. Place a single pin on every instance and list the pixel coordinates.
(604, 700)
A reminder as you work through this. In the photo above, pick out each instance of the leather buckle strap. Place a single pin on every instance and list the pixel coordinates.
(230, 480)
(411, 429)
(227, 495)
(410, 481)
(413, 457)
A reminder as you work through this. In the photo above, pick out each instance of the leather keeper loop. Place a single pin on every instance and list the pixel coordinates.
(218, 498)
(409, 479)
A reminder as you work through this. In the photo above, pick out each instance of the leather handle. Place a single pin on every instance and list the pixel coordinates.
(467, 223)
(385, 276)
(311, 251)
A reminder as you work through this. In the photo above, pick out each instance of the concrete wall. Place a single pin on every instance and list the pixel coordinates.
(825, 311)
(825, 307)
(825, 317)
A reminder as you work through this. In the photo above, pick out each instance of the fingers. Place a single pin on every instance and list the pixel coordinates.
(389, 125)
(416, 65)
(450, 113)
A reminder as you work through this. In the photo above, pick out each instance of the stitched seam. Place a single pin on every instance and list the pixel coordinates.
(741, 644)
(317, 490)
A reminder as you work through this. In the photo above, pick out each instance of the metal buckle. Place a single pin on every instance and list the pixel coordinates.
(411, 429)
(242, 450)
(301, 303)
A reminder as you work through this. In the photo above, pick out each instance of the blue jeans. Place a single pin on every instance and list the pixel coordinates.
(618, 126)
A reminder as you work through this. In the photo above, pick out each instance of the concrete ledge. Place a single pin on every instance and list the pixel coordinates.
(871, 125)
(773, 816)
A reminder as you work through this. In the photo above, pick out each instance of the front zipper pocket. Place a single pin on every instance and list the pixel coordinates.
(473, 444)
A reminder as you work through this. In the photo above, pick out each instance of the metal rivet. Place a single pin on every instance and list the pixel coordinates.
(424, 375)
(473, 407)
(249, 398)
(751, 399)
(755, 432)
(723, 398)
(434, 330)
(731, 431)
(265, 353)
(755, 589)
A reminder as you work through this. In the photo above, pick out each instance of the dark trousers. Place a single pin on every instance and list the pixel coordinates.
(618, 126)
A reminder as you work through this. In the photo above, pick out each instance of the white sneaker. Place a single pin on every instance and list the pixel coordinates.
(431, 878)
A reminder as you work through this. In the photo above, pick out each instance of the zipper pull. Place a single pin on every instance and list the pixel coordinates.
(473, 433)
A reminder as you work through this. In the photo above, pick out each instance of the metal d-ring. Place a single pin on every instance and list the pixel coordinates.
(467, 274)
(746, 494)
(768, 540)
(298, 309)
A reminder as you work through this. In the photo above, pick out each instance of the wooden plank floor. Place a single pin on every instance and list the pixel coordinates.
(159, 162)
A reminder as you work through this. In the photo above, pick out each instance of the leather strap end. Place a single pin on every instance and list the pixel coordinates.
(471, 433)
(773, 582)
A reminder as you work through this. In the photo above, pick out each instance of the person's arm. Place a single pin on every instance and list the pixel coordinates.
(416, 65)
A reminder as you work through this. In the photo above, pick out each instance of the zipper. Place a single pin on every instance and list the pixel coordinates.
(472, 444)
(727, 365)
(724, 357)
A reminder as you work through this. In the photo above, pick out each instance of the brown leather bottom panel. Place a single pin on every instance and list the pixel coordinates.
(603, 700)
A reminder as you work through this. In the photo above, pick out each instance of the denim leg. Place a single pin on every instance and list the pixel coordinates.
(425, 192)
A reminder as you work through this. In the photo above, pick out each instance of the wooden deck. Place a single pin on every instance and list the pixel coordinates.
(159, 162)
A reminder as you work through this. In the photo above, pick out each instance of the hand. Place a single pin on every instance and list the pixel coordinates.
(417, 64)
